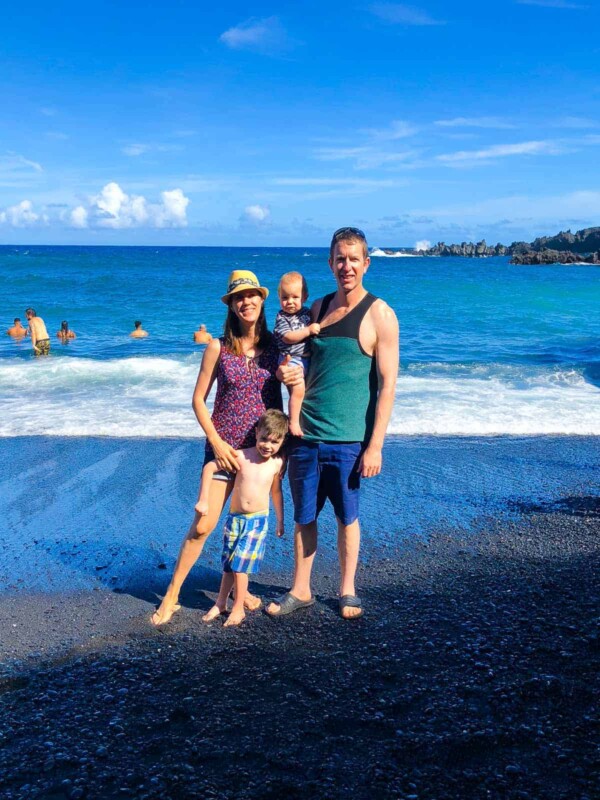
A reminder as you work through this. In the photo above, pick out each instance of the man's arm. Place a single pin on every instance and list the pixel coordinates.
(387, 354)
(32, 332)
(277, 496)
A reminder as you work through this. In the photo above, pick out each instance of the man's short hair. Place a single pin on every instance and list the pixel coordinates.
(137, 323)
(290, 277)
(349, 234)
(274, 423)
(30, 311)
(17, 319)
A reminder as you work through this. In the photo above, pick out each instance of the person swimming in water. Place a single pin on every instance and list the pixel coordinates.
(65, 332)
(139, 332)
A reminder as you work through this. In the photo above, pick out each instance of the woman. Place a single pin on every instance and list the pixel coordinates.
(244, 364)
(65, 333)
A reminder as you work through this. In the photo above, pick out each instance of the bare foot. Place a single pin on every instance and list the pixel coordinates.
(252, 602)
(295, 429)
(164, 612)
(214, 612)
(351, 613)
(235, 618)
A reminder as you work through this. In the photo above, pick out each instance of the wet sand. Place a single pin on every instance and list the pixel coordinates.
(474, 672)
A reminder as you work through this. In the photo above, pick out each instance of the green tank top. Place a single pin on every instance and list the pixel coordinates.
(341, 386)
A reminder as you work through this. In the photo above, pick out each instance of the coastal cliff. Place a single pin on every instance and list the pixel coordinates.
(547, 256)
(563, 248)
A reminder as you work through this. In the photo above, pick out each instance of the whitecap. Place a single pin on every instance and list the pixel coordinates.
(151, 397)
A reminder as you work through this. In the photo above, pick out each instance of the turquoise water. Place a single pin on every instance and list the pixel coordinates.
(486, 347)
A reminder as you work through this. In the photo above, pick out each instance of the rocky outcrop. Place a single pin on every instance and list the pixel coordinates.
(564, 248)
(466, 249)
(548, 256)
(586, 240)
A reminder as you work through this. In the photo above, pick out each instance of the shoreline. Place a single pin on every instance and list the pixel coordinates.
(472, 674)
(475, 680)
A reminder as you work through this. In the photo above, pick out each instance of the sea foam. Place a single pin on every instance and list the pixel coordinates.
(379, 253)
(151, 397)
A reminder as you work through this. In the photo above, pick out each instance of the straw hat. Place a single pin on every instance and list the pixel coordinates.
(241, 280)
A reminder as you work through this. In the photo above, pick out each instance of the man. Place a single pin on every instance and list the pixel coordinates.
(350, 391)
(139, 332)
(202, 336)
(17, 330)
(39, 335)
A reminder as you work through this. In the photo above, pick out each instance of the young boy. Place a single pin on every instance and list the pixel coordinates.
(293, 330)
(248, 519)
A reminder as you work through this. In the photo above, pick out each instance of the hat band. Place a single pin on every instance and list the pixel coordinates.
(242, 282)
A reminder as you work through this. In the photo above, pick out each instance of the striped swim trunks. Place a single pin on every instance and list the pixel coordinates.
(244, 541)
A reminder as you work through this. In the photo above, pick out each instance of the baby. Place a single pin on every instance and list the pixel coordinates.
(293, 330)
(248, 519)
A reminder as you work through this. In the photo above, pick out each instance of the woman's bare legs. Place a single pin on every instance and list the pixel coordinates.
(191, 547)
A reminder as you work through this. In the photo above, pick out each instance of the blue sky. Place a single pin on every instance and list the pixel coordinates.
(272, 124)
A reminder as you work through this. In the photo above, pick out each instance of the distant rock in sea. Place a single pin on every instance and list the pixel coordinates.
(586, 240)
(563, 248)
(548, 256)
(467, 249)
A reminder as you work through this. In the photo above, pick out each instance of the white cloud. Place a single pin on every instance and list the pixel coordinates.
(135, 149)
(474, 122)
(463, 157)
(266, 36)
(400, 14)
(113, 208)
(79, 217)
(48, 112)
(553, 4)
(398, 129)
(58, 135)
(583, 204)
(364, 157)
(22, 215)
(351, 182)
(577, 123)
(256, 213)
(173, 213)
(110, 208)
(139, 148)
(12, 162)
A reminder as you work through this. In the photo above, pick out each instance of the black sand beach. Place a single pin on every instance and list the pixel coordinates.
(474, 673)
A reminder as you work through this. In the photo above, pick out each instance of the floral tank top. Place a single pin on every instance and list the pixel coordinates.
(246, 388)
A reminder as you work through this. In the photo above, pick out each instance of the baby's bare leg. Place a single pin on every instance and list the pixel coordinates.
(294, 408)
(240, 580)
(220, 605)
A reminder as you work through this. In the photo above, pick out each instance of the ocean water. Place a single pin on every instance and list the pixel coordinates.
(487, 348)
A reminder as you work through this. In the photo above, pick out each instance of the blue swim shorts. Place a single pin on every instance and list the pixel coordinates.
(244, 538)
(324, 470)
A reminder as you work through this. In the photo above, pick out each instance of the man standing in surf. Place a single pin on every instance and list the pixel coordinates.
(349, 397)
